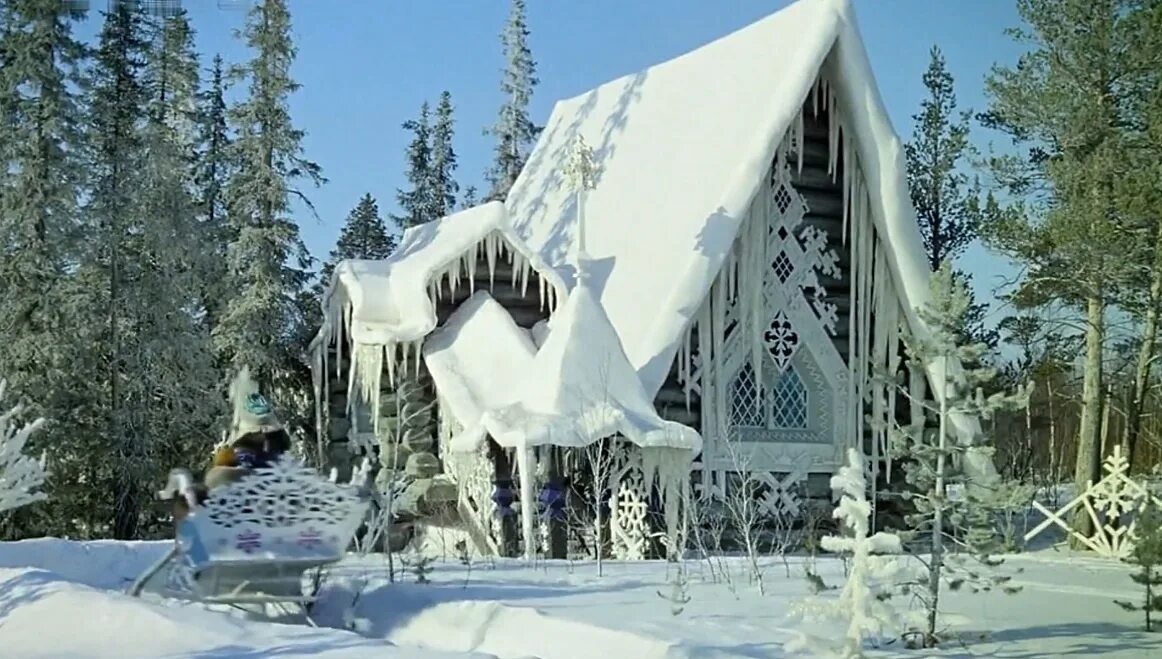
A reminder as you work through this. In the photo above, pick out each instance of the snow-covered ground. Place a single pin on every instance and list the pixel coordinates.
(64, 599)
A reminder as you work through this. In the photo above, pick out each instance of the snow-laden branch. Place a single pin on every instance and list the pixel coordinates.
(863, 605)
(20, 475)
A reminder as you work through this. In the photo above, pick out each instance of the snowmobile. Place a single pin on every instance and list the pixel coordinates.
(257, 541)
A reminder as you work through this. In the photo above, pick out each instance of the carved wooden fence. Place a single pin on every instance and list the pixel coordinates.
(1110, 503)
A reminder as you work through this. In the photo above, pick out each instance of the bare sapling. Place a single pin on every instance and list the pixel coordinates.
(741, 503)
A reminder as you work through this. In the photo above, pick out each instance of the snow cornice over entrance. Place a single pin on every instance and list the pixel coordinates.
(393, 301)
(683, 147)
(580, 389)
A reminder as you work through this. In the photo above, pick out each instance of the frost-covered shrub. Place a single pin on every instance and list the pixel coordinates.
(863, 605)
(20, 475)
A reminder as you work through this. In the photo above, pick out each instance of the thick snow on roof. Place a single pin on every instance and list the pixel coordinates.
(389, 301)
(478, 358)
(580, 389)
(682, 147)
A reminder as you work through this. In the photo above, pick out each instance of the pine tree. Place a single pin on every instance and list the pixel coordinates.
(1147, 555)
(946, 202)
(211, 173)
(514, 131)
(931, 457)
(1140, 193)
(420, 204)
(443, 168)
(1068, 230)
(267, 261)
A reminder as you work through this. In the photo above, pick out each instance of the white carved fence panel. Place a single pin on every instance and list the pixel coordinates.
(1107, 502)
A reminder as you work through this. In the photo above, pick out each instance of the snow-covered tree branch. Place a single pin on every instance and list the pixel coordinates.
(20, 475)
(863, 605)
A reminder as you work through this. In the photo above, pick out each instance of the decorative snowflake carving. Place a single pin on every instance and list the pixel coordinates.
(803, 251)
(1108, 502)
(285, 494)
(781, 340)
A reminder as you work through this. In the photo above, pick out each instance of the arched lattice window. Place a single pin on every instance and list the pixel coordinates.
(782, 405)
(789, 401)
(746, 411)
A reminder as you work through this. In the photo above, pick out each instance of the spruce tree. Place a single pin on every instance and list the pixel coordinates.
(41, 174)
(109, 273)
(175, 347)
(944, 198)
(420, 203)
(514, 131)
(212, 170)
(364, 234)
(469, 199)
(1067, 230)
(267, 261)
(443, 167)
(39, 183)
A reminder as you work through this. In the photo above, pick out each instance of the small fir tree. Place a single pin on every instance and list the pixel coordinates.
(363, 236)
(931, 458)
(864, 604)
(1147, 555)
(20, 475)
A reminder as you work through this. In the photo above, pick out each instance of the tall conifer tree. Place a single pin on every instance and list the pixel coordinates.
(443, 166)
(945, 199)
(110, 270)
(419, 203)
(268, 264)
(211, 172)
(514, 131)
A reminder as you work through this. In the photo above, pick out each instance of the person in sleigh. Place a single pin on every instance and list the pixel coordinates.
(256, 439)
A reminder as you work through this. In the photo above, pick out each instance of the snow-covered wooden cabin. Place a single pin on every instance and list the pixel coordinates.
(752, 255)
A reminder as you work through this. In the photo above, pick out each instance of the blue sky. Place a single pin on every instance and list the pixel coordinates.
(365, 67)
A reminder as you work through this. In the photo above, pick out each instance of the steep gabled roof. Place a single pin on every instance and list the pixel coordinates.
(683, 147)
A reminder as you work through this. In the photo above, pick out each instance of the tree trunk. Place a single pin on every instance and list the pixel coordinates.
(1145, 360)
(937, 560)
(1087, 467)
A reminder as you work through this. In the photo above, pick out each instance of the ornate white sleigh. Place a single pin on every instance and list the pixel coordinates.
(254, 541)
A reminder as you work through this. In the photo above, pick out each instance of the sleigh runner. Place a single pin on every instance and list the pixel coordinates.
(254, 541)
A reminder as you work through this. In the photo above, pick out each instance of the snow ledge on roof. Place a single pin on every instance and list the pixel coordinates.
(580, 389)
(393, 301)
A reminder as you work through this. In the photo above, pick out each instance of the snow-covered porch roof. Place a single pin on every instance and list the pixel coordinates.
(393, 301)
